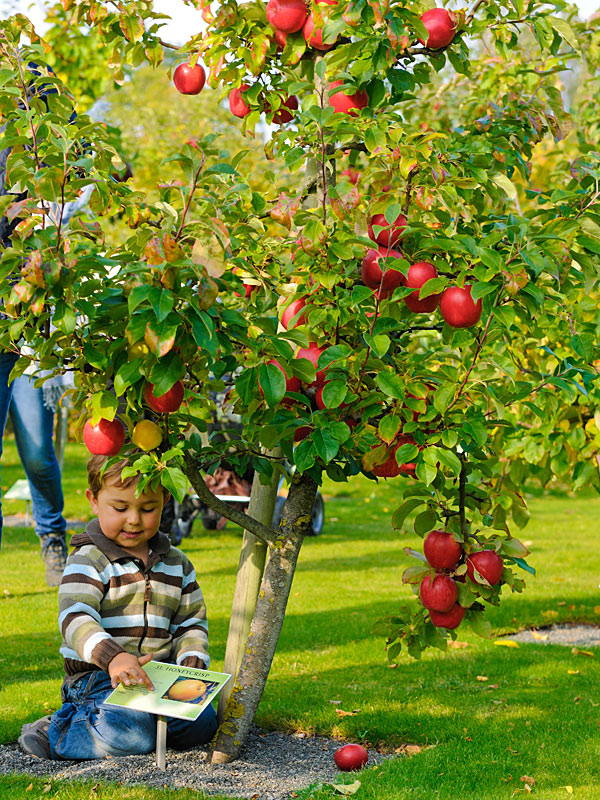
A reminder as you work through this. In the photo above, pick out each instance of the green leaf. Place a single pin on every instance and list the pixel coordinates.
(520, 562)
(271, 381)
(505, 184)
(334, 393)
(64, 317)
(326, 446)
(104, 406)
(390, 384)
(305, 455)
(174, 482)
(442, 397)
(166, 372)
(480, 625)
(425, 521)
(127, 375)
(565, 31)
(389, 427)
(402, 512)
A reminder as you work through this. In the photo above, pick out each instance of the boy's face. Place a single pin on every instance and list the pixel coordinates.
(128, 520)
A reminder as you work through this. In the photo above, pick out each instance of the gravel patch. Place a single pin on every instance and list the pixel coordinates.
(568, 635)
(271, 767)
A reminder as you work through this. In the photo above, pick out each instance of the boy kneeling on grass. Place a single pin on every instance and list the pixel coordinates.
(127, 596)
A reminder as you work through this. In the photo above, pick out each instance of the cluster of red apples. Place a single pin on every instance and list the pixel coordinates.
(439, 592)
(107, 437)
(457, 307)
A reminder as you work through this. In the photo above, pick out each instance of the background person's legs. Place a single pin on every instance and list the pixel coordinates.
(33, 425)
(7, 362)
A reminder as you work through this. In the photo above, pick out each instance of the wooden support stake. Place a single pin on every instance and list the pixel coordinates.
(161, 742)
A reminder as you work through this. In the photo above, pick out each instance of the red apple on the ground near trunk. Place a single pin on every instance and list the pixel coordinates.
(352, 174)
(441, 550)
(438, 594)
(284, 113)
(390, 233)
(488, 564)
(290, 312)
(237, 105)
(287, 16)
(372, 272)
(105, 438)
(350, 757)
(347, 103)
(418, 274)
(189, 80)
(448, 619)
(441, 27)
(458, 308)
(167, 402)
(312, 353)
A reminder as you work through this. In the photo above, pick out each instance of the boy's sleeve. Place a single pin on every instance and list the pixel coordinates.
(79, 598)
(189, 627)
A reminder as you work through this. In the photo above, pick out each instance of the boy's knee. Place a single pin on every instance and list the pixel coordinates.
(123, 733)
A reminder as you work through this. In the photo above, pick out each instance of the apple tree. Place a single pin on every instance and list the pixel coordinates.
(406, 294)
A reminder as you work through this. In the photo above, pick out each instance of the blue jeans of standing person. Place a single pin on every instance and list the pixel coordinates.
(85, 728)
(7, 362)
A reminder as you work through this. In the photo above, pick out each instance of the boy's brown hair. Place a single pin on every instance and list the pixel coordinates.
(97, 479)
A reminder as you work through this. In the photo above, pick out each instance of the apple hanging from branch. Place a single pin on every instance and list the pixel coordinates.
(441, 27)
(105, 438)
(417, 276)
(287, 16)
(188, 79)
(458, 308)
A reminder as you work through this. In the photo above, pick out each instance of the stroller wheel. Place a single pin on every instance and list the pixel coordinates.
(317, 517)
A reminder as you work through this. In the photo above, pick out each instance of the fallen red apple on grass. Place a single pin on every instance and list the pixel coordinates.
(189, 80)
(448, 619)
(458, 308)
(418, 274)
(488, 564)
(439, 594)
(105, 438)
(287, 16)
(441, 27)
(167, 402)
(388, 234)
(347, 103)
(351, 757)
(372, 274)
(441, 550)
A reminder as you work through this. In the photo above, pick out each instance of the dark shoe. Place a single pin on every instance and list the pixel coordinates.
(34, 738)
(54, 553)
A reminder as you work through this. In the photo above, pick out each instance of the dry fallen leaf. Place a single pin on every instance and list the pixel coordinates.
(573, 671)
(569, 789)
(455, 644)
(341, 713)
(346, 788)
(543, 637)
(335, 701)
(527, 779)
(577, 652)
(482, 678)
(506, 643)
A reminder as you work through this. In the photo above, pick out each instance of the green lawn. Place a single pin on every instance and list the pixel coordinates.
(536, 714)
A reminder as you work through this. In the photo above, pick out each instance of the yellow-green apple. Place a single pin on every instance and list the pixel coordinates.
(105, 438)
(387, 234)
(441, 550)
(188, 79)
(374, 277)
(167, 402)
(488, 564)
(287, 16)
(418, 274)
(439, 594)
(441, 27)
(458, 308)
(448, 619)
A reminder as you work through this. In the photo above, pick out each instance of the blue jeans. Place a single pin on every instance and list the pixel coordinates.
(85, 728)
(7, 362)
(33, 426)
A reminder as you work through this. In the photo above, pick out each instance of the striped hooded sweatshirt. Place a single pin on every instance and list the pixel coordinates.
(110, 603)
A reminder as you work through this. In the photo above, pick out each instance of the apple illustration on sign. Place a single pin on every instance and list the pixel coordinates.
(372, 274)
(347, 103)
(448, 619)
(350, 757)
(458, 308)
(488, 564)
(387, 235)
(189, 80)
(417, 276)
(441, 27)
(237, 104)
(105, 438)
(441, 550)
(439, 594)
(167, 402)
(287, 16)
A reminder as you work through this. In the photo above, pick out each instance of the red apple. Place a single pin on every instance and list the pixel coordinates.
(237, 105)
(448, 619)
(189, 80)
(390, 233)
(418, 274)
(280, 39)
(352, 174)
(290, 312)
(438, 594)
(458, 309)
(302, 432)
(284, 113)
(292, 384)
(390, 467)
(372, 273)
(105, 438)
(350, 757)
(488, 564)
(441, 550)
(287, 16)
(441, 27)
(347, 103)
(164, 403)
(312, 353)
(314, 38)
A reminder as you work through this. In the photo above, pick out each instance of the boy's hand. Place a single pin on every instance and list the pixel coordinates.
(127, 669)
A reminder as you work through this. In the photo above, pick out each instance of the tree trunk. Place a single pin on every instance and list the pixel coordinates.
(266, 624)
(249, 576)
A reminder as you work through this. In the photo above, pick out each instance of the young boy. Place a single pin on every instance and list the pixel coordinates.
(126, 597)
